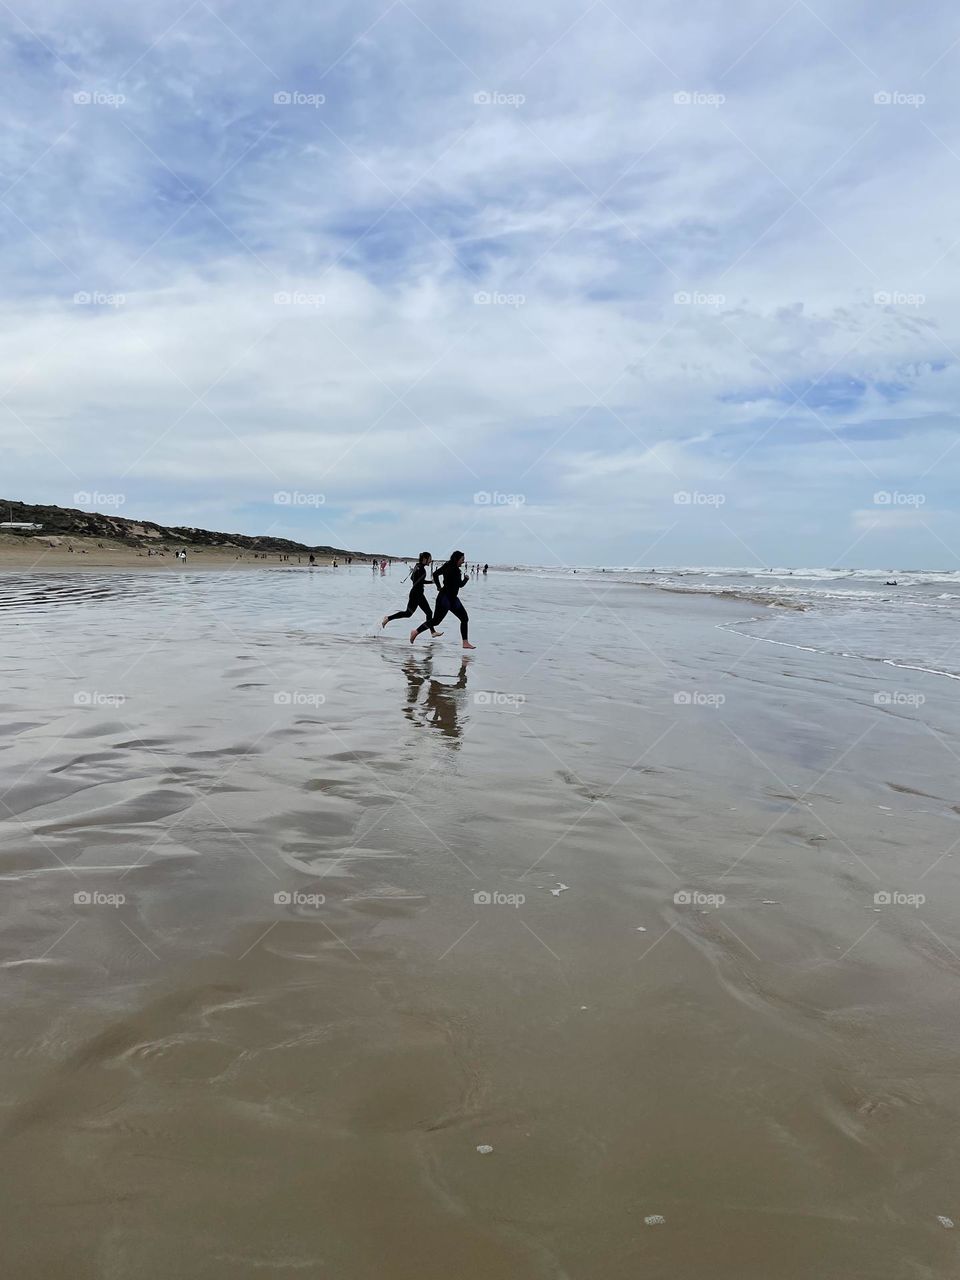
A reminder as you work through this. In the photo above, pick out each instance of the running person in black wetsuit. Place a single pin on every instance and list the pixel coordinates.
(450, 582)
(417, 599)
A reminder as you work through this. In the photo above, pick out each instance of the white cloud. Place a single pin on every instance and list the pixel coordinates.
(595, 201)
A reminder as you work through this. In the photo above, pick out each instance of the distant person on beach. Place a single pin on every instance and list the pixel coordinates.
(312, 561)
(417, 598)
(450, 579)
(485, 568)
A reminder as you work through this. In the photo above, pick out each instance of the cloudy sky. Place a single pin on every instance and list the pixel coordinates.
(557, 283)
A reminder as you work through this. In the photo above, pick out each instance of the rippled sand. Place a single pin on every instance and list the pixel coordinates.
(209, 1072)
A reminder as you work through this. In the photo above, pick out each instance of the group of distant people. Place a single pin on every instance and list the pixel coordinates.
(448, 579)
(312, 561)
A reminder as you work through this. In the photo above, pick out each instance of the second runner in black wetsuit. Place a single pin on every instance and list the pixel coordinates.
(417, 598)
(450, 579)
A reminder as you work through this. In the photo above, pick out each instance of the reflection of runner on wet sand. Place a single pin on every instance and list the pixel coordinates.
(441, 707)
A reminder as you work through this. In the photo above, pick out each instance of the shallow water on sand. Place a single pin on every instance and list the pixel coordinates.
(297, 918)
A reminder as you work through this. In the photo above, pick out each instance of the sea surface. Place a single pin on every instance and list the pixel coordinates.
(908, 617)
(627, 945)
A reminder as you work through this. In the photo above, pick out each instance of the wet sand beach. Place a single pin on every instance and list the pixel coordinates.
(298, 918)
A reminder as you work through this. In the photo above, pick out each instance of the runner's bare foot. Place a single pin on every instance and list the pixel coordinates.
(413, 635)
(384, 620)
(468, 645)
